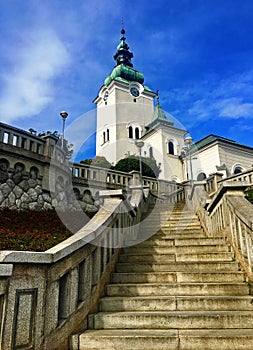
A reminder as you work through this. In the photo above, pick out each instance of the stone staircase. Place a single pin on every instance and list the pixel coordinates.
(178, 290)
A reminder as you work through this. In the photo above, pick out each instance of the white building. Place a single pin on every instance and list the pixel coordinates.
(218, 154)
(126, 113)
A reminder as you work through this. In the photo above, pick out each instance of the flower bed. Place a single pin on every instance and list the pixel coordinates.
(32, 230)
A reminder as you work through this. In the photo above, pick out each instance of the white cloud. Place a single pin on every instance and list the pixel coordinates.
(235, 108)
(27, 87)
(230, 98)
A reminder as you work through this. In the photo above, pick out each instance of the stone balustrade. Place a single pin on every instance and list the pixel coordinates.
(45, 297)
(46, 144)
(229, 214)
(97, 177)
(243, 176)
(214, 181)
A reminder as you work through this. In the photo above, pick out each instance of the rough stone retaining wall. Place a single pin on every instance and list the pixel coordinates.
(24, 193)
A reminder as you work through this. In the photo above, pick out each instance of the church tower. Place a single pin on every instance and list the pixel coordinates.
(124, 106)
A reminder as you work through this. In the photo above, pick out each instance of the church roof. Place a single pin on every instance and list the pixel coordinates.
(124, 67)
(215, 138)
(159, 118)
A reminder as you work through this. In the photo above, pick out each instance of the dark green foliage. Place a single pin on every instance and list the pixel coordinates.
(98, 161)
(86, 161)
(149, 166)
(249, 195)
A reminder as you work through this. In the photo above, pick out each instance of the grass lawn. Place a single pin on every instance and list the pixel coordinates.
(33, 230)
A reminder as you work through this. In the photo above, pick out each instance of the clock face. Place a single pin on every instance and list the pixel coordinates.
(134, 91)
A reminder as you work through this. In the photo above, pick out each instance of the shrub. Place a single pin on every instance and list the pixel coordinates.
(149, 166)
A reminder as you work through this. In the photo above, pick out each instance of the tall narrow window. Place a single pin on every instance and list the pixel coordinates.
(15, 140)
(130, 132)
(108, 134)
(103, 137)
(151, 152)
(171, 147)
(6, 137)
(137, 133)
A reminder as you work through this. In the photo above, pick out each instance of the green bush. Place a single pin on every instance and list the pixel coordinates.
(101, 162)
(149, 166)
(249, 195)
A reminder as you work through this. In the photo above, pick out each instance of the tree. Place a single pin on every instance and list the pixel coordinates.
(149, 166)
(101, 162)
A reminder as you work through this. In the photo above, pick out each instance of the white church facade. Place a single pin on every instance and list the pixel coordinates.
(129, 112)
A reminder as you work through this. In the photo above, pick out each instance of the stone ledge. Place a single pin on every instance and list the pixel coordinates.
(25, 257)
(6, 270)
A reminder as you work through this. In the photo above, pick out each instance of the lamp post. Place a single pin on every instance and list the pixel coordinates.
(184, 156)
(64, 116)
(140, 144)
(188, 141)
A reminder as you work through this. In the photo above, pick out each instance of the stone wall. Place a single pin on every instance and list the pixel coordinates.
(22, 190)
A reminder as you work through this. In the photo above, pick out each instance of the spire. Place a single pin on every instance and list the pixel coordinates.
(159, 114)
(159, 117)
(124, 68)
(123, 55)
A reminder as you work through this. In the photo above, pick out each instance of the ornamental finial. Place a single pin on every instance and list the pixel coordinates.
(123, 30)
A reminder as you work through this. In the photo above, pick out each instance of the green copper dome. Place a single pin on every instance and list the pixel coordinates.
(126, 73)
(159, 118)
(124, 68)
(159, 114)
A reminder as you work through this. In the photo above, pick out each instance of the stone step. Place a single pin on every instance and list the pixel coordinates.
(178, 266)
(199, 241)
(176, 257)
(158, 339)
(180, 220)
(216, 339)
(173, 320)
(143, 248)
(180, 277)
(180, 223)
(125, 339)
(175, 234)
(165, 289)
(178, 290)
(170, 241)
(177, 303)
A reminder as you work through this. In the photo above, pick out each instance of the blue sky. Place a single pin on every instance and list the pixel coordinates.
(55, 55)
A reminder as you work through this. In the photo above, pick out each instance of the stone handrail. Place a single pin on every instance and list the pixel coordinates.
(243, 176)
(214, 181)
(46, 296)
(229, 214)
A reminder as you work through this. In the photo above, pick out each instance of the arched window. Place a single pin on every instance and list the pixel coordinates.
(151, 152)
(137, 133)
(4, 166)
(170, 147)
(201, 176)
(77, 193)
(34, 173)
(130, 132)
(237, 170)
(87, 197)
